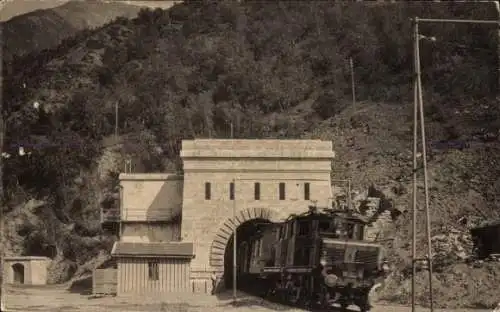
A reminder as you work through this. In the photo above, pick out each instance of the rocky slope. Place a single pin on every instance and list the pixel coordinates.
(276, 70)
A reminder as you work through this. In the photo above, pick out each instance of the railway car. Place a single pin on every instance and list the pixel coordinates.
(317, 258)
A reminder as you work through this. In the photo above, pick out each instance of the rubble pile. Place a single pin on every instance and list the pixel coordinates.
(379, 216)
(369, 206)
(381, 223)
(452, 247)
(458, 286)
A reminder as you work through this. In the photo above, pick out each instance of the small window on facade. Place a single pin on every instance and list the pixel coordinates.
(282, 191)
(307, 191)
(153, 271)
(208, 193)
(231, 191)
(257, 191)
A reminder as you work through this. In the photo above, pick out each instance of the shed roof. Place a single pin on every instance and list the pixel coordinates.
(166, 249)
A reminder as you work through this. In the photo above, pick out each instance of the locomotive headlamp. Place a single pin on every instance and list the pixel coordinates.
(322, 262)
(331, 280)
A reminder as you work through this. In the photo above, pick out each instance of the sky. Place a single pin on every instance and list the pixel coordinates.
(11, 8)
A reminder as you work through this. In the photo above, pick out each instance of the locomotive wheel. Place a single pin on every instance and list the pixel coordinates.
(364, 309)
(325, 300)
(363, 305)
(363, 302)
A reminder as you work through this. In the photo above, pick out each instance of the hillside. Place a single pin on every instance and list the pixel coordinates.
(46, 28)
(276, 70)
(11, 8)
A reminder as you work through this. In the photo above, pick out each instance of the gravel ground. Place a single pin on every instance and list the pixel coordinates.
(57, 299)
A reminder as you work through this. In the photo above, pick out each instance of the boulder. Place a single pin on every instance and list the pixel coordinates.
(451, 247)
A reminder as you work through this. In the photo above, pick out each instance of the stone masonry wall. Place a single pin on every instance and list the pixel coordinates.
(268, 162)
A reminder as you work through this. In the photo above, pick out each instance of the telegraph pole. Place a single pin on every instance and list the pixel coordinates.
(116, 120)
(414, 203)
(2, 223)
(235, 270)
(351, 66)
(418, 106)
(419, 112)
(497, 7)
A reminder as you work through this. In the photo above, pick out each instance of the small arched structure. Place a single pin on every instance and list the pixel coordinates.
(27, 270)
(18, 273)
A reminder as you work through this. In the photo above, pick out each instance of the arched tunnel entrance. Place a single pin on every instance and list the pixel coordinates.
(244, 234)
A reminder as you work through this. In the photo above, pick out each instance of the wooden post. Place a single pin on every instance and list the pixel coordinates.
(234, 231)
(497, 7)
(424, 161)
(351, 65)
(116, 120)
(415, 133)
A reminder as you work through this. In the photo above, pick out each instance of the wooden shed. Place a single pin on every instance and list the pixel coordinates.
(104, 278)
(148, 268)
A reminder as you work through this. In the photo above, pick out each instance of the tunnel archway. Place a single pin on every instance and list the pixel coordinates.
(18, 272)
(243, 234)
(221, 248)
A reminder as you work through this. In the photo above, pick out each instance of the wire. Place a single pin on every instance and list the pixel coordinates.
(464, 46)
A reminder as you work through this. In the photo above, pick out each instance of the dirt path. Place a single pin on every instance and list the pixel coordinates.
(57, 299)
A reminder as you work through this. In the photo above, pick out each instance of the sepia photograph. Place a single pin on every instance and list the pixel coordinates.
(250, 156)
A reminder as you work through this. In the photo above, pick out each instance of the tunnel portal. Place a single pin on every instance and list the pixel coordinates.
(244, 233)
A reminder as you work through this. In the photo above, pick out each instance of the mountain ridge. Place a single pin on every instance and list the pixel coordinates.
(46, 28)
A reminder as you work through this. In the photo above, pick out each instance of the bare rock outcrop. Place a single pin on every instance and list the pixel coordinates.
(60, 270)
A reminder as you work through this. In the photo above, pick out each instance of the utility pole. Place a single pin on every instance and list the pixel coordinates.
(418, 106)
(116, 120)
(349, 196)
(353, 88)
(497, 7)
(414, 203)
(235, 270)
(419, 112)
(2, 222)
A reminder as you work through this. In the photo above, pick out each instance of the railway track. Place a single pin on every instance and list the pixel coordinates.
(257, 297)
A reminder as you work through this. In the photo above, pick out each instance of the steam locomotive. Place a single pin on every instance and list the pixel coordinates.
(316, 259)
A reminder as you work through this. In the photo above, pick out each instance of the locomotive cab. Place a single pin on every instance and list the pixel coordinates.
(340, 228)
(318, 256)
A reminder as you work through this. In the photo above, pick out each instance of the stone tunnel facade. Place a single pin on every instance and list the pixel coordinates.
(228, 182)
